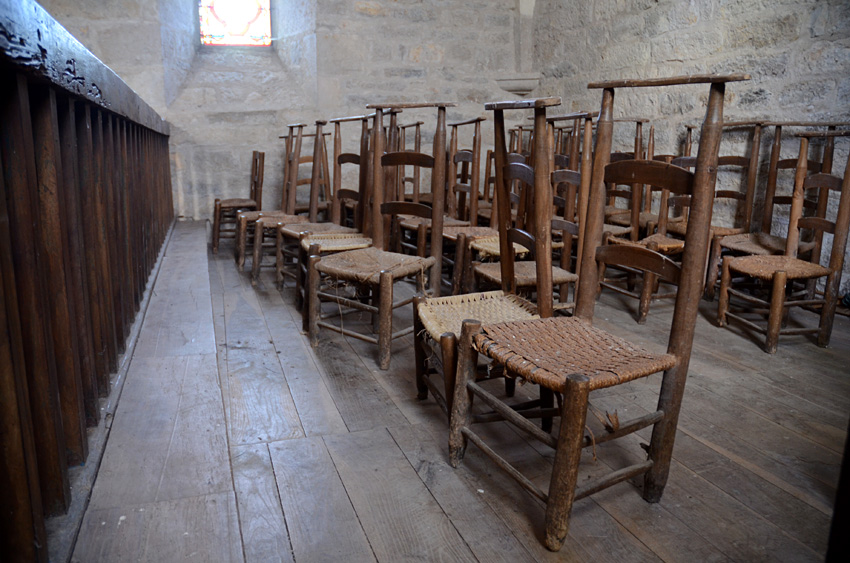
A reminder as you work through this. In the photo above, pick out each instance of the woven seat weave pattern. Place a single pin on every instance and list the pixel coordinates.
(625, 219)
(546, 351)
(611, 210)
(273, 218)
(295, 230)
(681, 227)
(366, 264)
(525, 273)
(760, 243)
(452, 232)
(238, 202)
(488, 247)
(665, 244)
(446, 314)
(413, 222)
(616, 230)
(250, 216)
(336, 242)
(764, 267)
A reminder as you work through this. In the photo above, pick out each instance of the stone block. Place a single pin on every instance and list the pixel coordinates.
(687, 45)
(768, 32)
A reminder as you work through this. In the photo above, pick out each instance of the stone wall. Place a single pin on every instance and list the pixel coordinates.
(330, 58)
(797, 51)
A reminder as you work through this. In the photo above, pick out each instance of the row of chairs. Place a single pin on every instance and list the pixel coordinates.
(354, 261)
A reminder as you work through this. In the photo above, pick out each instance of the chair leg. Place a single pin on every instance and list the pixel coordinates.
(723, 302)
(664, 433)
(827, 313)
(448, 349)
(713, 267)
(279, 259)
(649, 280)
(777, 306)
(547, 401)
(385, 319)
(241, 240)
(562, 485)
(462, 402)
(420, 361)
(216, 225)
(259, 235)
(314, 307)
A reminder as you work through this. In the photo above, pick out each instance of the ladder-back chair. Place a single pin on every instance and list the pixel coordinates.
(226, 210)
(777, 272)
(375, 268)
(569, 356)
(437, 320)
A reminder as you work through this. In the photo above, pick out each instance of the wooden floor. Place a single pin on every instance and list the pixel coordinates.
(233, 440)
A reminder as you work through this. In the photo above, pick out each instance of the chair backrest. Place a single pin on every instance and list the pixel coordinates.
(777, 164)
(258, 160)
(824, 183)
(294, 160)
(438, 176)
(542, 196)
(340, 158)
(463, 181)
(699, 183)
(413, 180)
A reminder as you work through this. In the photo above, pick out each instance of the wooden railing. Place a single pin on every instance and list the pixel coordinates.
(85, 205)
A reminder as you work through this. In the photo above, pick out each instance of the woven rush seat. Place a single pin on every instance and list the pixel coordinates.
(238, 202)
(765, 267)
(760, 244)
(440, 315)
(412, 223)
(305, 207)
(365, 265)
(525, 273)
(645, 218)
(547, 351)
(681, 227)
(295, 230)
(335, 242)
(664, 243)
(611, 210)
(451, 233)
(615, 230)
(488, 247)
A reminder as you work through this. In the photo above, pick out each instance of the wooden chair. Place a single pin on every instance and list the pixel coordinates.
(375, 268)
(776, 272)
(762, 241)
(292, 160)
(225, 210)
(295, 160)
(265, 225)
(571, 357)
(414, 180)
(290, 257)
(437, 320)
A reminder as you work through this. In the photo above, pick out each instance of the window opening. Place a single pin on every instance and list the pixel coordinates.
(235, 22)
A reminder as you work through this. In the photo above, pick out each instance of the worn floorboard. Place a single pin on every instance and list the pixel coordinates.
(235, 440)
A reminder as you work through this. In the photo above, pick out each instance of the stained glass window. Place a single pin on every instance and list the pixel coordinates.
(235, 22)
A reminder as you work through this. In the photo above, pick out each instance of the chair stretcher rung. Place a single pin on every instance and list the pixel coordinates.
(613, 478)
(511, 415)
(505, 466)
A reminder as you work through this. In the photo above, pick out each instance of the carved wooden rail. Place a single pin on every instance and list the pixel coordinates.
(85, 205)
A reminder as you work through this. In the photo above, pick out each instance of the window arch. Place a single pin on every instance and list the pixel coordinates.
(235, 22)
